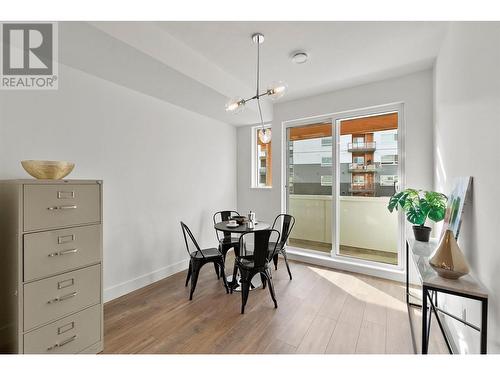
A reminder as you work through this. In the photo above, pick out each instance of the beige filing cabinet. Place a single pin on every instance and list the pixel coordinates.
(51, 266)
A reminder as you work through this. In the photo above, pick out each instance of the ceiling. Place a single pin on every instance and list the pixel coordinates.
(341, 53)
(222, 58)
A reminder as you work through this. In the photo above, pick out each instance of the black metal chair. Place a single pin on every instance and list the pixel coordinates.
(227, 242)
(288, 221)
(198, 258)
(256, 263)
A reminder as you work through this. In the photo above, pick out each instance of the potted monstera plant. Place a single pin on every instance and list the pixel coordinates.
(419, 205)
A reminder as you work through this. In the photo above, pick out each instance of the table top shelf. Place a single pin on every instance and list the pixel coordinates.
(421, 252)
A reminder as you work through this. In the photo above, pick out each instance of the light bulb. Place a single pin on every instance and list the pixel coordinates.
(265, 135)
(276, 90)
(235, 105)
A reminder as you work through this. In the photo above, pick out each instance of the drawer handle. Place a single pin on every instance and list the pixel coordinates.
(65, 207)
(62, 343)
(64, 252)
(65, 194)
(63, 298)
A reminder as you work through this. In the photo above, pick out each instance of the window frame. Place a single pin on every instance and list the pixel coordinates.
(256, 162)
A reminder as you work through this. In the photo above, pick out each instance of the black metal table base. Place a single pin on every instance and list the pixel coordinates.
(430, 305)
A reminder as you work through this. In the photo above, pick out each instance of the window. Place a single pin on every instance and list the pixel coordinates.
(326, 180)
(358, 139)
(389, 159)
(358, 179)
(358, 160)
(326, 142)
(263, 160)
(388, 180)
(326, 161)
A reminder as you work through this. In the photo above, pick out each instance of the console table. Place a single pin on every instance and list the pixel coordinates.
(433, 284)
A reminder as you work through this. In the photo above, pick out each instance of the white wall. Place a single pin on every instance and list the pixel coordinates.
(415, 90)
(160, 164)
(467, 132)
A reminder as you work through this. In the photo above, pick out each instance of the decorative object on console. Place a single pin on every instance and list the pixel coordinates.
(455, 207)
(448, 260)
(420, 205)
(48, 169)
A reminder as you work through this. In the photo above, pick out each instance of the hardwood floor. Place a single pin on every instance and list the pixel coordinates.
(319, 311)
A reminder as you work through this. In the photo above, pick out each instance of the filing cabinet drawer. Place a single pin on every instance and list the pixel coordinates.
(52, 252)
(68, 335)
(54, 297)
(52, 206)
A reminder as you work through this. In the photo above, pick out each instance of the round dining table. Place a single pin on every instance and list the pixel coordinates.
(240, 229)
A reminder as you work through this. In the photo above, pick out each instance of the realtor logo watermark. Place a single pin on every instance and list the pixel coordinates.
(29, 56)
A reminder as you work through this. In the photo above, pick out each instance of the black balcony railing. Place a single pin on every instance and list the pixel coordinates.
(361, 146)
(364, 168)
(361, 187)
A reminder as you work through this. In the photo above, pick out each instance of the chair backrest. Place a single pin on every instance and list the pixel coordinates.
(261, 239)
(224, 216)
(288, 221)
(186, 230)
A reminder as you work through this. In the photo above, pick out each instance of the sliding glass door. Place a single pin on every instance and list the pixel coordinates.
(340, 173)
(309, 185)
(368, 171)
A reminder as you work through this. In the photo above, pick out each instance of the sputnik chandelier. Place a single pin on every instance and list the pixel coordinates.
(275, 91)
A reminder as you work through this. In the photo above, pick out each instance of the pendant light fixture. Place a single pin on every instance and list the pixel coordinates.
(275, 91)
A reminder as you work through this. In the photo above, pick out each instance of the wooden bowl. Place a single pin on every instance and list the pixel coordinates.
(47, 169)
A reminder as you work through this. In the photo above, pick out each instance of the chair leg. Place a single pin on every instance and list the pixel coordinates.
(223, 275)
(194, 278)
(189, 273)
(275, 261)
(233, 281)
(264, 281)
(271, 289)
(286, 262)
(216, 266)
(245, 288)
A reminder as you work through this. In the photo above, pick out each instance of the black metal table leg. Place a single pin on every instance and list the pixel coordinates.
(425, 338)
(429, 317)
(484, 325)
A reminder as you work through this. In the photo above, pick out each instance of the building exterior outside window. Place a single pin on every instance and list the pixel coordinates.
(374, 157)
(263, 162)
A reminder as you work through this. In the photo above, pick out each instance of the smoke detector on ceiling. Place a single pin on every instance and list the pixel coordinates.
(300, 57)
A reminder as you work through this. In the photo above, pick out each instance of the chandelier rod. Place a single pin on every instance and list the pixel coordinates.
(258, 81)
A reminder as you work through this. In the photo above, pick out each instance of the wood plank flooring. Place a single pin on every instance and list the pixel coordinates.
(319, 311)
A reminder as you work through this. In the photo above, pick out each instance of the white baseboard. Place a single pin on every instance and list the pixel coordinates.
(128, 286)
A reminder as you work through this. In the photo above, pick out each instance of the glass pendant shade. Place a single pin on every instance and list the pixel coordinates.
(235, 105)
(265, 135)
(276, 90)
